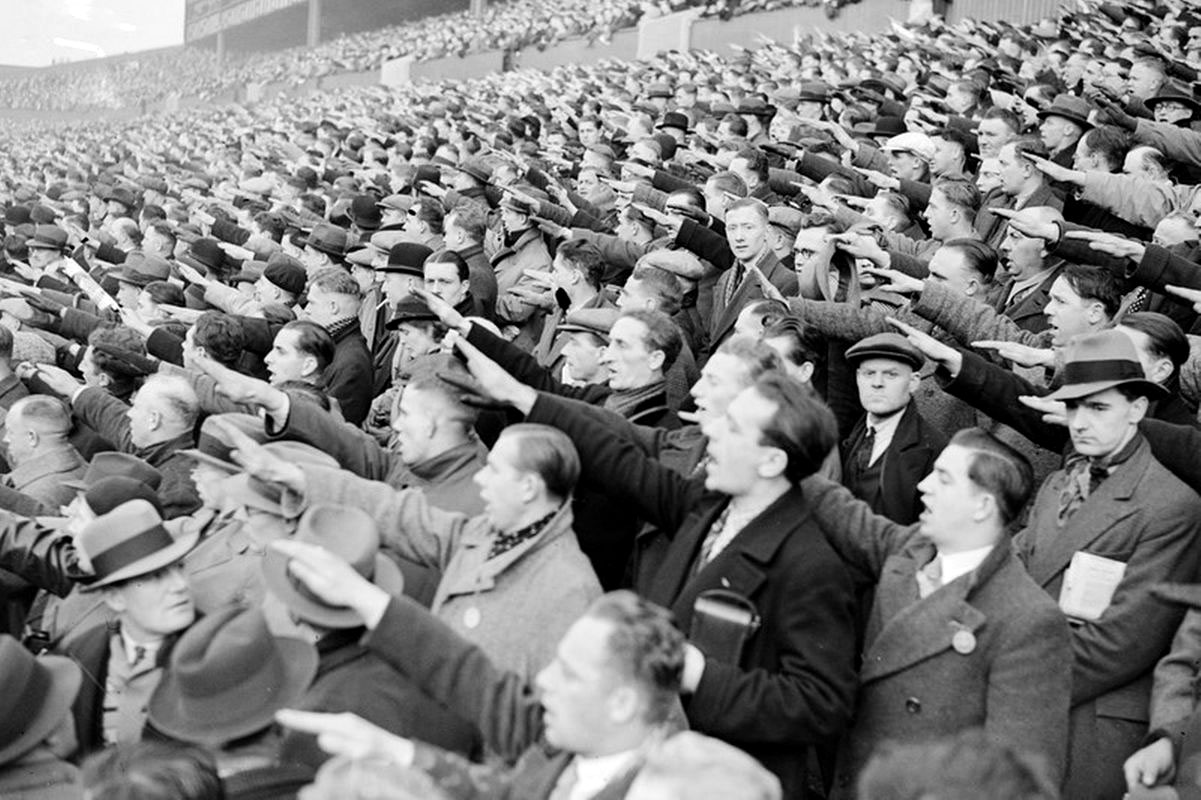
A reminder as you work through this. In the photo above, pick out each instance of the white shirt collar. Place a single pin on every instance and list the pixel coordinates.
(131, 648)
(955, 565)
(594, 773)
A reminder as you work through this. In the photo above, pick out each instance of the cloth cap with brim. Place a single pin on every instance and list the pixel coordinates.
(37, 697)
(48, 237)
(597, 321)
(204, 254)
(130, 541)
(397, 202)
(363, 256)
(121, 195)
(1104, 360)
(287, 276)
(786, 218)
(1069, 107)
(918, 144)
(892, 346)
(109, 464)
(408, 258)
(410, 309)
(350, 534)
(227, 677)
(213, 446)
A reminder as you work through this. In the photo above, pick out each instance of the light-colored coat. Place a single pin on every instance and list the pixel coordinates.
(516, 606)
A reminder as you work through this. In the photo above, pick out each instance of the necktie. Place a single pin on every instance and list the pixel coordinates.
(567, 781)
(863, 454)
(1083, 478)
(710, 542)
(139, 655)
(736, 276)
(929, 578)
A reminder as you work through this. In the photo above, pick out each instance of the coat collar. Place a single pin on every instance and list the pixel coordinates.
(158, 454)
(53, 462)
(483, 574)
(922, 628)
(438, 467)
(1104, 509)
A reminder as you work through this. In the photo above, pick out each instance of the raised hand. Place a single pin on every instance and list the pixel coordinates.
(1020, 354)
(443, 310)
(944, 355)
(1055, 412)
(348, 735)
(333, 580)
(892, 280)
(494, 383)
(258, 461)
(242, 388)
(1110, 244)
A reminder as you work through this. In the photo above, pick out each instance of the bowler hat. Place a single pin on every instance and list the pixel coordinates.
(290, 277)
(1174, 94)
(121, 195)
(892, 346)
(227, 677)
(1069, 107)
(204, 254)
(365, 212)
(213, 446)
(143, 269)
(352, 535)
(408, 258)
(48, 237)
(128, 542)
(37, 697)
(110, 463)
(328, 239)
(1098, 361)
(674, 119)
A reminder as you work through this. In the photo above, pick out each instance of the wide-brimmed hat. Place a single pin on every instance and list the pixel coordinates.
(204, 254)
(327, 239)
(408, 258)
(1069, 107)
(227, 677)
(213, 446)
(410, 309)
(48, 237)
(130, 541)
(756, 107)
(37, 696)
(352, 535)
(107, 493)
(892, 346)
(143, 269)
(1098, 361)
(110, 464)
(884, 83)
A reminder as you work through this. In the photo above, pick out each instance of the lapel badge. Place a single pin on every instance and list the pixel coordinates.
(471, 617)
(964, 642)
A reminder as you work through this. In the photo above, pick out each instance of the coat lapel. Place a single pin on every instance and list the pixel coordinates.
(1105, 509)
(677, 563)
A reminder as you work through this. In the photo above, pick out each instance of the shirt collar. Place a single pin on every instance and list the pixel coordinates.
(595, 772)
(955, 565)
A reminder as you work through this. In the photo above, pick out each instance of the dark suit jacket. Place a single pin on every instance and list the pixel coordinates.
(1015, 681)
(506, 711)
(721, 324)
(793, 685)
(348, 378)
(908, 459)
(1028, 311)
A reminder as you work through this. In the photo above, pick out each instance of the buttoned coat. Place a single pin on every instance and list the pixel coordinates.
(1029, 312)
(1145, 517)
(515, 606)
(793, 685)
(907, 459)
(1008, 672)
(724, 314)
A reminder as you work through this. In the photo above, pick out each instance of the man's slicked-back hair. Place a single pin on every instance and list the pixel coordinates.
(998, 469)
(548, 453)
(802, 426)
(645, 646)
(661, 334)
(758, 357)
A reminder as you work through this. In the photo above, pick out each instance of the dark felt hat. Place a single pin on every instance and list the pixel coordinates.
(1098, 361)
(1069, 107)
(110, 463)
(204, 254)
(37, 697)
(407, 257)
(130, 541)
(48, 237)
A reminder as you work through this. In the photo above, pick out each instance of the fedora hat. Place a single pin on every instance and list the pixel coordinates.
(1174, 94)
(108, 493)
(48, 237)
(130, 541)
(327, 239)
(597, 321)
(410, 309)
(110, 464)
(675, 119)
(892, 346)
(887, 126)
(407, 257)
(251, 492)
(1069, 107)
(204, 254)
(1098, 361)
(37, 696)
(352, 535)
(227, 677)
(143, 270)
(213, 446)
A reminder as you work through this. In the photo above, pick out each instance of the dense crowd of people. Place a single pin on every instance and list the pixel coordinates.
(819, 422)
(506, 25)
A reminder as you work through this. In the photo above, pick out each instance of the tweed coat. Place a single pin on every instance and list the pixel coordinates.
(41, 477)
(725, 315)
(1014, 680)
(793, 684)
(914, 446)
(1145, 517)
(515, 606)
(502, 704)
(1029, 311)
(510, 263)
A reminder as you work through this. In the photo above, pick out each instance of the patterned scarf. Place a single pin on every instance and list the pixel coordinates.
(504, 542)
(1085, 475)
(627, 401)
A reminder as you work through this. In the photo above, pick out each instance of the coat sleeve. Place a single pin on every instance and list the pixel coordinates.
(1130, 197)
(44, 557)
(525, 368)
(616, 252)
(862, 538)
(1178, 144)
(705, 244)
(408, 524)
(1134, 630)
(1177, 447)
(1029, 686)
(211, 400)
(459, 675)
(1173, 694)
(353, 448)
(969, 320)
(106, 415)
(628, 476)
(843, 321)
